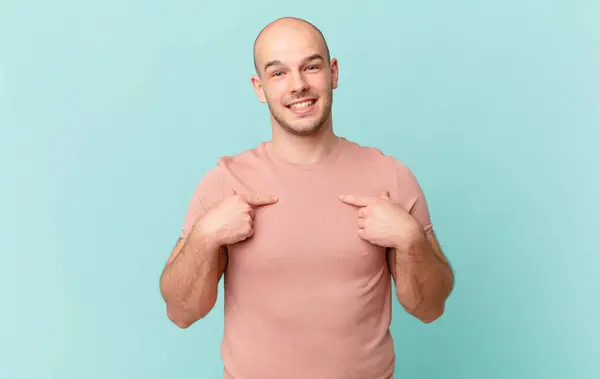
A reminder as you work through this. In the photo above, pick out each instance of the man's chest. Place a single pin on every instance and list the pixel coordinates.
(309, 232)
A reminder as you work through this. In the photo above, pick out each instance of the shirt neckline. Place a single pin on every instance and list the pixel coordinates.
(328, 159)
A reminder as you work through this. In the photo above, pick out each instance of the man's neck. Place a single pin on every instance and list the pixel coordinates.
(304, 149)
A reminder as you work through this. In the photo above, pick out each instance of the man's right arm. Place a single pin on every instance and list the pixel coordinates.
(190, 279)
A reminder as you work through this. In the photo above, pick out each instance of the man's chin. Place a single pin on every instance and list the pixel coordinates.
(304, 126)
(304, 130)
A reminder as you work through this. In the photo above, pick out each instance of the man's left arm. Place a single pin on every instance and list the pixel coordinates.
(422, 275)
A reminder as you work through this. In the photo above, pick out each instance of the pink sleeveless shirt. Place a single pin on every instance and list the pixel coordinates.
(306, 297)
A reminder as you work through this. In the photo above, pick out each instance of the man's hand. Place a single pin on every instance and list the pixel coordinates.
(232, 220)
(384, 223)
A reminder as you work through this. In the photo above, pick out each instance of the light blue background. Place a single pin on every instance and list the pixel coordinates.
(111, 111)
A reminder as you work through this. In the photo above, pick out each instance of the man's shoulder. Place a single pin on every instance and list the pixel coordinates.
(376, 159)
(230, 167)
(246, 157)
(249, 156)
(375, 155)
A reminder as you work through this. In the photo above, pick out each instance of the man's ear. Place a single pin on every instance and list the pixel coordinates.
(258, 88)
(334, 73)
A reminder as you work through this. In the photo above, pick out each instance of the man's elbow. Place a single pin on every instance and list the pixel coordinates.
(430, 315)
(426, 315)
(184, 319)
(186, 315)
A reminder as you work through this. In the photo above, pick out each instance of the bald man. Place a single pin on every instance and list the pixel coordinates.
(312, 233)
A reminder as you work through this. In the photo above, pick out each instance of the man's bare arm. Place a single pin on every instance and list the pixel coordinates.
(423, 278)
(190, 279)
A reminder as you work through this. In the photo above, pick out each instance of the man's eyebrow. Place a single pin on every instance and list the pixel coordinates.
(271, 63)
(312, 57)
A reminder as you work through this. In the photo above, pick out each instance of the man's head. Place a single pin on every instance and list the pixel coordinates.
(295, 75)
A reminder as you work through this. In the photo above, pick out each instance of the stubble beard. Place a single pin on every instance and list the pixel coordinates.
(314, 127)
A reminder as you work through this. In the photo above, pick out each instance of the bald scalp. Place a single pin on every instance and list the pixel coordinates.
(288, 21)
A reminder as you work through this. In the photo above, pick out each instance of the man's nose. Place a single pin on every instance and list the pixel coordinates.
(299, 83)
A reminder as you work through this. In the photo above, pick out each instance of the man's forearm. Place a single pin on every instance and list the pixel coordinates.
(190, 279)
(423, 281)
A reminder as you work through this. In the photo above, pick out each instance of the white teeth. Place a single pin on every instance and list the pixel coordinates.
(303, 104)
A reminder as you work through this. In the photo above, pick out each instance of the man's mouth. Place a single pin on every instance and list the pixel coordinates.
(302, 106)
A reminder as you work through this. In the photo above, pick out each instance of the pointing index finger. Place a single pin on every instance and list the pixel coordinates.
(356, 201)
(257, 200)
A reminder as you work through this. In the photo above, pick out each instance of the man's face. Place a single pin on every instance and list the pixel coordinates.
(296, 80)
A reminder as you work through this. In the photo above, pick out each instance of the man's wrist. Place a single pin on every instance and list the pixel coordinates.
(202, 236)
(407, 245)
